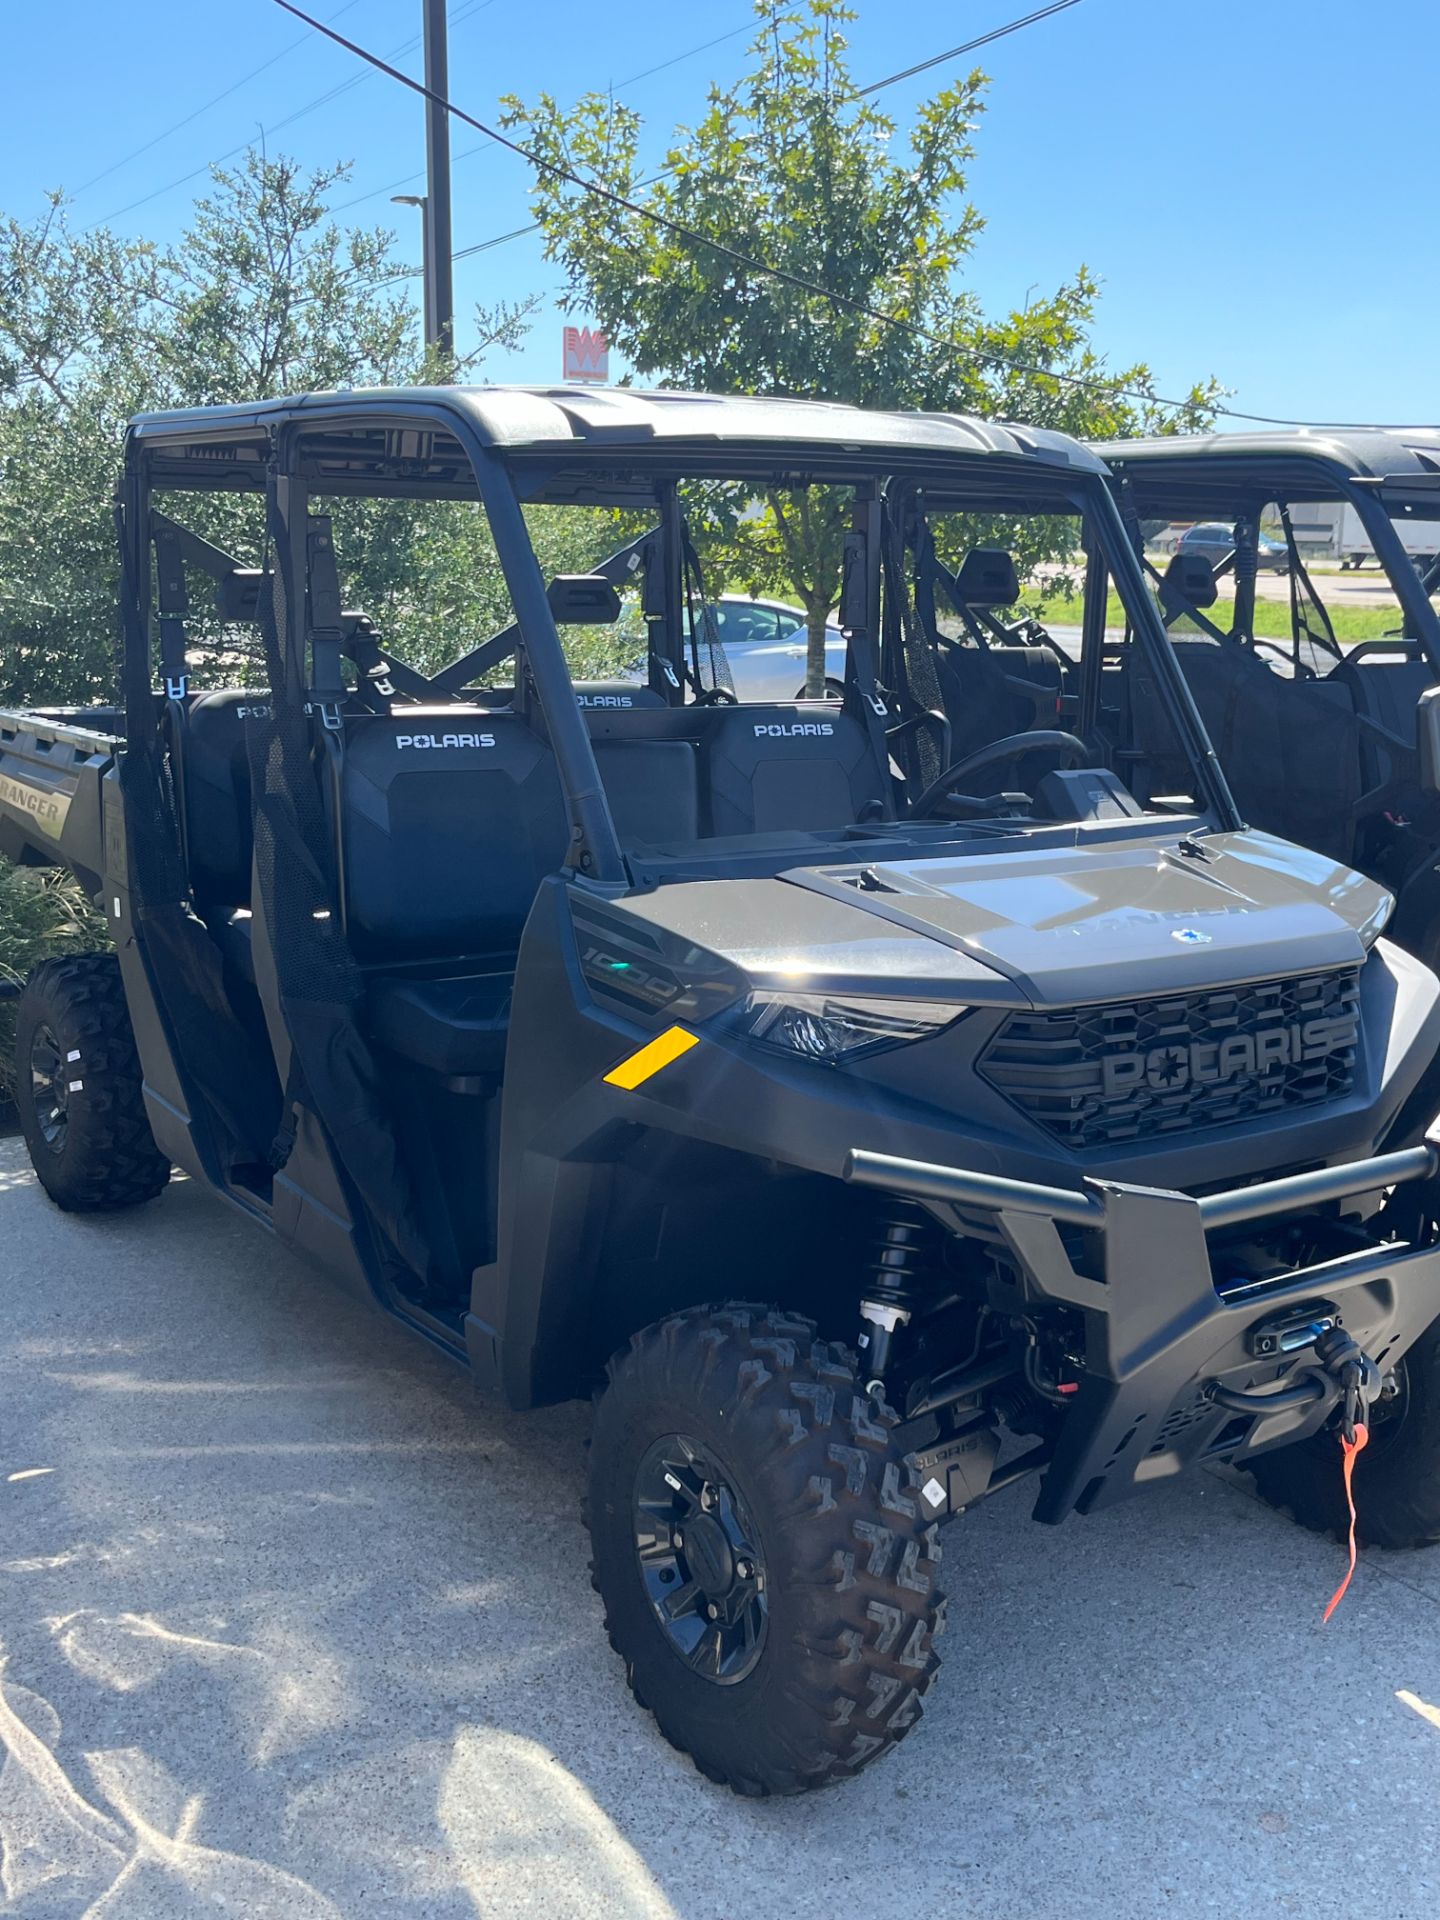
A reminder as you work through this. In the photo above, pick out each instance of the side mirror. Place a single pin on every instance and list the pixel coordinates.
(1189, 582)
(1427, 739)
(583, 600)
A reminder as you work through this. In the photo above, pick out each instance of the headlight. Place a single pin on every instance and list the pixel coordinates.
(1372, 928)
(813, 1026)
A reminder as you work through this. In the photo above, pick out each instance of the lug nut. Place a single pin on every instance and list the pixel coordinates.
(745, 1569)
(677, 1539)
(712, 1613)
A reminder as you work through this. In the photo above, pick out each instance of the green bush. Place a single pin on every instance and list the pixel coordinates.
(41, 913)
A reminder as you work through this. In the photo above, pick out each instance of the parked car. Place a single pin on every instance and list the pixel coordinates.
(765, 645)
(1215, 542)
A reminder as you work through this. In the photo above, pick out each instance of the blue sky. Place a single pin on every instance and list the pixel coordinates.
(1251, 183)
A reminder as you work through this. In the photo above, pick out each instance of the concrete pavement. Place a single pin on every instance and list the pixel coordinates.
(292, 1624)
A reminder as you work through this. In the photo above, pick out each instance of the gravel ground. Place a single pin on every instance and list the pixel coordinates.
(291, 1623)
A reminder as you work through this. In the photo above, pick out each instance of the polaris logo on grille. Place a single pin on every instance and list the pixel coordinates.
(427, 740)
(1239, 1056)
(806, 729)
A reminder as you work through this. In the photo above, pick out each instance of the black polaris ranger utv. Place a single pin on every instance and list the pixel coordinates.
(1336, 746)
(843, 1099)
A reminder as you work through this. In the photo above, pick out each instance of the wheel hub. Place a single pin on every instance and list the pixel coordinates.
(699, 1561)
(707, 1554)
(49, 1088)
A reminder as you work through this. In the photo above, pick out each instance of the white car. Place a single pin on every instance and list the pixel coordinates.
(765, 646)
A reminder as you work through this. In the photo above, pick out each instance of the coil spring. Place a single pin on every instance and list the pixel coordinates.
(904, 1248)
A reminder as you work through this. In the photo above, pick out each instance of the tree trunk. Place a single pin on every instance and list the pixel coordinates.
(816, 622)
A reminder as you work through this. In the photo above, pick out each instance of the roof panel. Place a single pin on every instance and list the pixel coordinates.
(550, 418)
(1372, 453)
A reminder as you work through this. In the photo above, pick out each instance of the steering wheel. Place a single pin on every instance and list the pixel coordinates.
(1070, 746)
(716, 696)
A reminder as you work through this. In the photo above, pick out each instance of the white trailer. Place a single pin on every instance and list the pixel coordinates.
(1419, 538)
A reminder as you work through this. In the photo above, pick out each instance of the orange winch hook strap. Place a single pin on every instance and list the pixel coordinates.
(1350, 1449)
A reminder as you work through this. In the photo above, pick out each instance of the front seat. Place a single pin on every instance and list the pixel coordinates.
(989, 688)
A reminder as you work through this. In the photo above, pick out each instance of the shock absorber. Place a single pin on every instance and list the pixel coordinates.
(902, 1252)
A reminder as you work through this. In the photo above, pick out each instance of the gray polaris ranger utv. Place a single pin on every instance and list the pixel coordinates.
(1336, 746)
(876, 1100)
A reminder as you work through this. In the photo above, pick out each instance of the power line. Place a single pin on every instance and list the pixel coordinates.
(969, 46)
(310, 106)
(984, 39)
(214, 101)
(619, 87)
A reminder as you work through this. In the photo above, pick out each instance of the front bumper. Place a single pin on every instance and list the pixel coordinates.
(1163, 1332)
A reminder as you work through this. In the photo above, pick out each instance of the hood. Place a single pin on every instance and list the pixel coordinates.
(1064, 926)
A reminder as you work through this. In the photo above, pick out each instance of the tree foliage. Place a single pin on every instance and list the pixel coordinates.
(868, 232)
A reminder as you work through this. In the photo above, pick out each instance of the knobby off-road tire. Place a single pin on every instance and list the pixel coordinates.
(78, 1088)
(807, 1470)
(1397, 1477)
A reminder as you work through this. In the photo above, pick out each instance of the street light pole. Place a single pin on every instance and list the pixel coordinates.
(439, 280)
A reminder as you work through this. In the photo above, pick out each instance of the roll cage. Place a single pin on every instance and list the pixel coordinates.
(1233, 477)
(512, 448)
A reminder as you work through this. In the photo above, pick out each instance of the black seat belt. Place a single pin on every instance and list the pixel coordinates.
(173, 601)
(327, 627)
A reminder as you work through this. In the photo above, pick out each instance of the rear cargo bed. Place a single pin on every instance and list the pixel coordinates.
(52, 765)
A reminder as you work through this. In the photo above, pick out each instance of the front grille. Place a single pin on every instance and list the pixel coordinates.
(1099, 1076)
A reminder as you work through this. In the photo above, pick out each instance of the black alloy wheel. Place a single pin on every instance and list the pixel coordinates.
(49, 1089)
(700, 1563)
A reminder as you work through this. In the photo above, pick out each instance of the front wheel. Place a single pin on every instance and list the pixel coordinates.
(1397, 1477)
(79, 1088)
(769, 1576)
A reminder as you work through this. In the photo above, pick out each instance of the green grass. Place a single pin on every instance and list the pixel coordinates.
(1272, 618)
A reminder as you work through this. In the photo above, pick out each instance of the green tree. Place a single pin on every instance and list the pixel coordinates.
(792, 167)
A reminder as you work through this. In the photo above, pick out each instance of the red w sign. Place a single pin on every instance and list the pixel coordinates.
(587, 355)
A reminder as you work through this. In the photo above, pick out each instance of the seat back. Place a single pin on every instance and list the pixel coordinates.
(653, 787)
(1290, 748)
(447, 824)
(788, 769)
(988, 692)
(1385, 686)
(211, 765)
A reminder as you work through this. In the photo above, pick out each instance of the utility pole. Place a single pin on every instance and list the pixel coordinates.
(419, 200)
(439, 278)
